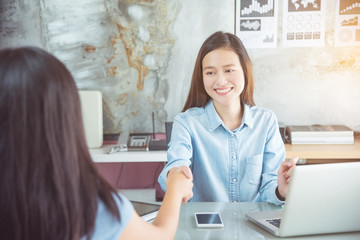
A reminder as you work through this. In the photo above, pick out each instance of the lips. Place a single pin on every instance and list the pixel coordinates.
(223, 90)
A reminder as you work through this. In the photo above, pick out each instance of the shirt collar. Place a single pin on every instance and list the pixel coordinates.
(247, 117)
(215, 120)
(213, 117)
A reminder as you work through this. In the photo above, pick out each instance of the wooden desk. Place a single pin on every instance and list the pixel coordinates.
(325, 153)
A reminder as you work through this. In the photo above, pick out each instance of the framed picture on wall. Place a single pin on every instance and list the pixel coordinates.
(256, 22)
(303, 23)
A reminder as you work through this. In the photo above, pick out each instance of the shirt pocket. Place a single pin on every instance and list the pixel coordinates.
(254, 168)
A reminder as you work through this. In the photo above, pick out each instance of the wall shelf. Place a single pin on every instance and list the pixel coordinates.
(330, 153)
(311, 152)
(100, 155)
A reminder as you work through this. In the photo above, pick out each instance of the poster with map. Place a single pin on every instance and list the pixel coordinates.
(304, 23)
(256, 22)
(347, 28)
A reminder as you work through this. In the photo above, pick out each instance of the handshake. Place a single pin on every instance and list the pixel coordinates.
(179, 180)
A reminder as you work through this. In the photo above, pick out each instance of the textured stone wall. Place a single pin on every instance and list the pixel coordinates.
(140, 55)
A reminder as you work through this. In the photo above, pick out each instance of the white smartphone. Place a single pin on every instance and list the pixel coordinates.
(208, 220)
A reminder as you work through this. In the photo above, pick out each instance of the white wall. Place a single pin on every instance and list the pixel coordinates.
(301, 85)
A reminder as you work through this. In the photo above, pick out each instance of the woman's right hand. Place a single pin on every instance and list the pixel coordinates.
(180, 179)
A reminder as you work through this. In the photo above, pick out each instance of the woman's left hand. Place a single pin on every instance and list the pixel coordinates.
(284, 174)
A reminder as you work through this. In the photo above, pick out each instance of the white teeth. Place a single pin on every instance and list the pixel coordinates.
(223, 90)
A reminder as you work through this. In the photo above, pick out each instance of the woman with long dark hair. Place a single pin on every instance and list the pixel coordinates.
(233, 147)
(49, 187)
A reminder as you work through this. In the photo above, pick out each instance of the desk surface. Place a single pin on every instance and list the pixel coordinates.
(236, 226)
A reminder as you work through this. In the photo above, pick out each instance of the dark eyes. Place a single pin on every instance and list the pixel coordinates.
(210, 73)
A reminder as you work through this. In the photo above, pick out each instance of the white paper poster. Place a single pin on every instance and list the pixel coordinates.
(304, 23)
(347, 30)
(256, 22)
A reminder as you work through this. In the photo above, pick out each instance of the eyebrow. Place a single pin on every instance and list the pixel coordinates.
(224, 66)
(209, 67)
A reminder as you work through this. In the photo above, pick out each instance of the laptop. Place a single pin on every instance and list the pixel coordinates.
(322, 198)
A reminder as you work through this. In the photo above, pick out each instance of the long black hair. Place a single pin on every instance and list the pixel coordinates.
(49, 187)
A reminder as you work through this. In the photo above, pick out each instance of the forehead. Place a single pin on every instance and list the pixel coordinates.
(220, 57)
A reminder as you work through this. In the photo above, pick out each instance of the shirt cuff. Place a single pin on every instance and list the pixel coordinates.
(274, 197)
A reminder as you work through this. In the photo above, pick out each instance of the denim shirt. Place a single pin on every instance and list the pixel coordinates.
(227, 166)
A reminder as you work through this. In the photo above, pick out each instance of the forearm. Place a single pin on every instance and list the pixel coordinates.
(164, 226)
(166, 222)
(168, 216)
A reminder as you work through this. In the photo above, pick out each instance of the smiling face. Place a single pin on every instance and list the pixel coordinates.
(223, 77)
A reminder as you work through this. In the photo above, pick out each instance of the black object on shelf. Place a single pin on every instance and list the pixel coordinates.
(156, 144)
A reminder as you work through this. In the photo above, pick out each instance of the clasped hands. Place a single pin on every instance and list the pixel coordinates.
(186, 184)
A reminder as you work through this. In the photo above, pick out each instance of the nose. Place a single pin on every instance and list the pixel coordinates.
(221, 79)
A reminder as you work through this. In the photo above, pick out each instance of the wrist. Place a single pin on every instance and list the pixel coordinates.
(172, 193)
(278, 195)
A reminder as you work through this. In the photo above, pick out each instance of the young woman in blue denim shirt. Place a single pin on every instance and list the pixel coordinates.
(233, 147)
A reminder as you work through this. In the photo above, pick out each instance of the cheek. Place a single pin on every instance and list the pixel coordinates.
(207, 83)
(239, 80)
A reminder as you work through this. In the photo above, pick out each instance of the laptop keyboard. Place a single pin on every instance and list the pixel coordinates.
(275, 222)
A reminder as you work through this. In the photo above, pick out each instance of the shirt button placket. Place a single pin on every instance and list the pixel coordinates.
(233, 169)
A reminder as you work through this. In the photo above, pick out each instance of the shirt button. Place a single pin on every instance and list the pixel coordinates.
(234, 157)
(234, 179)
(234, 201)
(233, 135)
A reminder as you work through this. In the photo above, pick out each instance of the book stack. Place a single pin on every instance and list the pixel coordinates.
(320, 134)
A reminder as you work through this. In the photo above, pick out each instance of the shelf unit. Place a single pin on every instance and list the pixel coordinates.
(330, 153)
(100, 155)
(312, 153)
